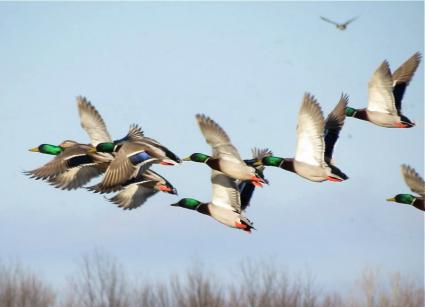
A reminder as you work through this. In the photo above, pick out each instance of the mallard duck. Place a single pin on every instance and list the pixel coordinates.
(385, 94)
(136, 191)
(339, 26)
(230, 198)
(78, 164)
(416, 184)
(73, 166)
(132, 150)
(225, 157)
(315, 143)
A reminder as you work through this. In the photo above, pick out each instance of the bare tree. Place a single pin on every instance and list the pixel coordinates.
(100, 282)
(21, 288)
(197, 290)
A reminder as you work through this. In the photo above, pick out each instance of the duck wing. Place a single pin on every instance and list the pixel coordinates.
(218, 139)
(76, 177)
(402, 76)
(349, 21)
(134, 134)
(92, 122)
(71, 157)
(333, 126)
(134, 195)
(129, 159)
(225, 192)
(413, 180)
(310, 132)
(330, 21)
(380, 91)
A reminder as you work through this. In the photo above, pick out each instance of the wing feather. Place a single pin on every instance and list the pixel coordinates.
(310, 132)
(60, 164)
(218, 139)
(134, 195)
(92, 122)
(402, 77)
(76, 177)
(328, 20)
(413, 180)
(121, 169)
(380, 91)
(225, 192)
(333, 126)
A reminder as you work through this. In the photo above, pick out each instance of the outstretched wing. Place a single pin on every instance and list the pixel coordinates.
(333, 126)
(413, 180)
(77, 177)
(328, 20)
(225, 192)
(349, 21)
(92, 122)
(134, 195)
(68, 159)
(310, 132)
(402, 76)
(134, 134)
(127, 161)
(218, 139)
(380, 91)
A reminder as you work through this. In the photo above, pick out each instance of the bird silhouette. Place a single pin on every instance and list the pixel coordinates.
(340, 26)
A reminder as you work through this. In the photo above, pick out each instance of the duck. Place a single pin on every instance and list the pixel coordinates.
(72, 167)
(137, 190)
(385, 95)
(225, 157)
(76, 164)
(416, 184)
(316, 139)
(133, 150)
(230, 198)
(339, 26)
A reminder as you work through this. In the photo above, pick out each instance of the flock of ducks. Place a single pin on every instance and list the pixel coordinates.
(126, 162)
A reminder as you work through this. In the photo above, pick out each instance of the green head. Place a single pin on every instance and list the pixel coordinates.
(188, 203)
(48, 149)
(272, 161)
(350, 111)
(105, 147)
(197, 157)
(403, 199)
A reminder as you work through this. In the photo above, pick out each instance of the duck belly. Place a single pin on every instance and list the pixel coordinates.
(311, 172)
(234, 169)
(224, 216)
(383, 119)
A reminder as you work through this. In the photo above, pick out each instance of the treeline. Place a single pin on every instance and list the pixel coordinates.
(100, 281)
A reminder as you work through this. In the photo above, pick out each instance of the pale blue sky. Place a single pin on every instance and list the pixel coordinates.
(247, 65)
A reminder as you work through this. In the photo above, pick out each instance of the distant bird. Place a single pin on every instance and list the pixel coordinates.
(225, 157)
(416, 184)
(385, 93)
(315, 143)
(339, 26)
(230, 197)
(136, 191)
